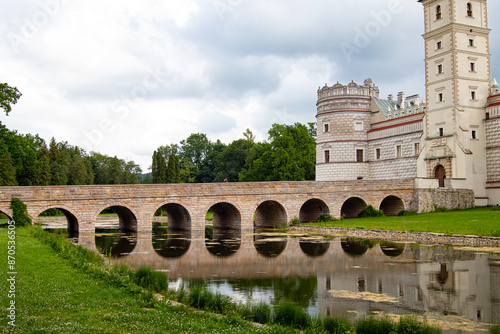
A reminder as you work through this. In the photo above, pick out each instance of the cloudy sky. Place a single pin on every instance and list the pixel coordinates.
(124, 77)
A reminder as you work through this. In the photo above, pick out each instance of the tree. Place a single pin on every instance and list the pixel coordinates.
(78, 170)
(249, 136)
(289, 156)
(232, 160)
(60, 161)
(131, 172)
(115, 171)
(8, 97)
(8, 171)
(44, 174)
(173, 167)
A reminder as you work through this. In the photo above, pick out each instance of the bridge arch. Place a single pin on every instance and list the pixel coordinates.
(178, 217)
(270, 214)
(312, 210)
(392, 205)
(71, 218)
(7, 214)
(225, 215)
(127, 219)
(352, 207)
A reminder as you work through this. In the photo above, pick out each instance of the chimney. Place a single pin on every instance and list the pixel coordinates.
(401, 99)
(389, 97)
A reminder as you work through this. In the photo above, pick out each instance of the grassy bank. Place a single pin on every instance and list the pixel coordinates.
(65, 288)
(478, 221)
(54, 297)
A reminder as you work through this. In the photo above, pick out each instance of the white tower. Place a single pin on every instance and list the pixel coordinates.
(457, 68)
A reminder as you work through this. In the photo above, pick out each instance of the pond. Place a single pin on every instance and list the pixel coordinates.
(457, 289)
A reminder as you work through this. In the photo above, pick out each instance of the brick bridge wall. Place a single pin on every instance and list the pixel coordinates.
(231, 203)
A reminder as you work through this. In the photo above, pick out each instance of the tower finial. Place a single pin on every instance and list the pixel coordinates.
(494, 87)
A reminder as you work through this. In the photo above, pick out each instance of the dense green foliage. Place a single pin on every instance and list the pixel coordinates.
(369, 212)
(8, 96)
(288, 155)
(19, 212)
(26, 160)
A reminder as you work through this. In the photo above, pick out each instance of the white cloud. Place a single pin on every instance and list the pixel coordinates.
(124, 77)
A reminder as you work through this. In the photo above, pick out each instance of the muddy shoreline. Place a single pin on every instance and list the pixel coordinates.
(425, 238)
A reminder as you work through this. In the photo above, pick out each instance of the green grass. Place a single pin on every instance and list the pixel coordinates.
(54, 297)
(482, 221)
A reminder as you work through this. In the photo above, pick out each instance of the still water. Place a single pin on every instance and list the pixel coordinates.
(455, 288)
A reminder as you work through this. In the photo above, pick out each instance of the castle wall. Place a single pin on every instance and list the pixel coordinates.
(492, 125)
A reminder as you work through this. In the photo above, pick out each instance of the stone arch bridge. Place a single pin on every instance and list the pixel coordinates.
(234, 205)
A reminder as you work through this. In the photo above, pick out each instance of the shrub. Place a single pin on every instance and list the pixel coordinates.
(261, 313)
(325, 219)
(337, 325)
(20, 214)
(410, 325)
(373, 325)
(495, 329)
(289, 314)
(370, 211)
(151, 279)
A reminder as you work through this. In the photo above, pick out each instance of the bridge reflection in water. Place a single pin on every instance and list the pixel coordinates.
(460, 289)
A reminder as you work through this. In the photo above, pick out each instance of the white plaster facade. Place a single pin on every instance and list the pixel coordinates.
(445, 140)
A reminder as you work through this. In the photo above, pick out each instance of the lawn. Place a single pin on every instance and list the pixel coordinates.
(483, 221)
(53, 297)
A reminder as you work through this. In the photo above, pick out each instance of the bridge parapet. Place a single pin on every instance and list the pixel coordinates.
(82, 204)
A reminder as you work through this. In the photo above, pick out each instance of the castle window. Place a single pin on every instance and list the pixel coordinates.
(473, 67)
(398, 151)
(440, 97)
(439, 45)
(416, 148)
(471, 42)
(440, 69)
(469, 9)
(359, 155)
(438, 12)
(358, 126)
(326, 128)
(487, 115)
(377, 154)
(473, 95)
(441, 132)
(327, 156)
(473, 134)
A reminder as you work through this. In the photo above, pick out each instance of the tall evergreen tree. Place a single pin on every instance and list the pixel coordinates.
(60, 161)
(177, 169)
(90, 172)
(8, 171)
(44, 173)
(154, 167)
(162, 168)
(77, 171)
(170, 169)
(115, 172)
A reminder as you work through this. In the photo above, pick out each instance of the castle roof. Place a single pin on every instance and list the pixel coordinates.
(391, 109)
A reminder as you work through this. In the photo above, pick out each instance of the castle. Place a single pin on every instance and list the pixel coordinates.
(449, 140)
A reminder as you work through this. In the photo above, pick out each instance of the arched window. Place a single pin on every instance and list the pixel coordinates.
(469, 9)
(438, 12)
